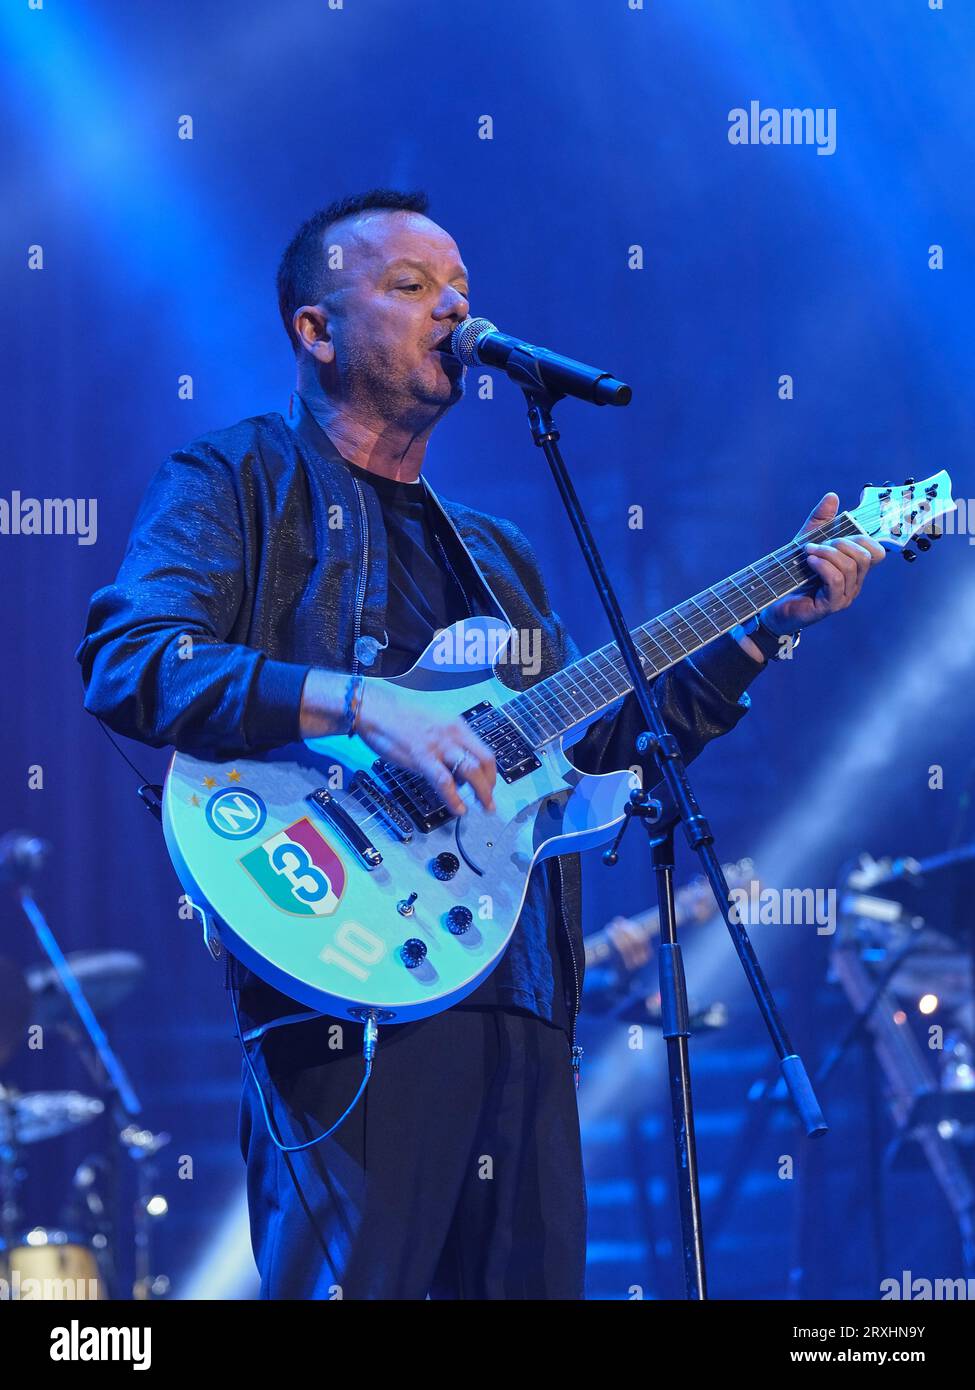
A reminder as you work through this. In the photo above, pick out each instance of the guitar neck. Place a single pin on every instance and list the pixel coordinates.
(556, 706)
(599, 947)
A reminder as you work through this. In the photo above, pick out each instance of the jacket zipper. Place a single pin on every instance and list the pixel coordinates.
(476, 567)
(453, 574)
(360, 597)
(575, 1051)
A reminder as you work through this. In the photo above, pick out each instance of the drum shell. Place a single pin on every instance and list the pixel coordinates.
(57, 1268)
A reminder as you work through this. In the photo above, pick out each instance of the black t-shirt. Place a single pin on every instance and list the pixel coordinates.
(431, 584)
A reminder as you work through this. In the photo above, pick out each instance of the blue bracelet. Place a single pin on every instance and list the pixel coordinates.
(353, 702)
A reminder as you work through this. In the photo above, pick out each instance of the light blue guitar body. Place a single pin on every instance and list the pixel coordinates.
(291, 891)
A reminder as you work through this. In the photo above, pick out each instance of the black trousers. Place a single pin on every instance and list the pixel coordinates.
(458, 1175)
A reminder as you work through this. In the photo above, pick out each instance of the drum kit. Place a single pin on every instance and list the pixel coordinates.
(72, 1253)
(910, 985)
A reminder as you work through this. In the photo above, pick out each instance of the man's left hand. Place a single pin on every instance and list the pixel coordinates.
(842, 566)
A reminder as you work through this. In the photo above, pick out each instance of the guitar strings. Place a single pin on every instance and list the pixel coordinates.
(794, 563)
(552, 690)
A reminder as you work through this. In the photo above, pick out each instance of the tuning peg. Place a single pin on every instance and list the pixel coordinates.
(922, 542)
(909, 555)
(908, 482)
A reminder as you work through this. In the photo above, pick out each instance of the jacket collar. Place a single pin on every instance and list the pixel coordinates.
(307, 428)
(310, 431)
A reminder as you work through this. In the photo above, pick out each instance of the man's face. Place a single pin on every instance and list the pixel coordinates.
(402, 288)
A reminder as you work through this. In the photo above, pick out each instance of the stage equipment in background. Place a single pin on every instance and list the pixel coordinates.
(619, 956)
(910, 986)
(78, 1256)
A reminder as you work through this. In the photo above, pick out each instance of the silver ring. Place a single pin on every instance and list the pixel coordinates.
(464, 757)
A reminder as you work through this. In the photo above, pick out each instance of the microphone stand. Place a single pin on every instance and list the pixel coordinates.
(684, 809)
(113, 1073)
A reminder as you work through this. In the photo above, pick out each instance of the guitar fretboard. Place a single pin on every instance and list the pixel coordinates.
(554, 706)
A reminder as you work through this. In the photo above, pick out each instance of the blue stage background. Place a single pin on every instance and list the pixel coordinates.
(610, 131)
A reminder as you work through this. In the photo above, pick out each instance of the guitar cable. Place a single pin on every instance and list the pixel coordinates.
(150, 794)
(370, 1037)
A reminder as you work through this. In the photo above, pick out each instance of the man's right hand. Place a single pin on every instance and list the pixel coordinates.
(404, 728)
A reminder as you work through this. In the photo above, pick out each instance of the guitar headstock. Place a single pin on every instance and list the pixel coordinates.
(698, 898)
(894, 516)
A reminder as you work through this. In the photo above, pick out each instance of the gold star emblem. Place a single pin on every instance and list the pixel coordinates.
(194, 800)
(209, 782)
(233, 775)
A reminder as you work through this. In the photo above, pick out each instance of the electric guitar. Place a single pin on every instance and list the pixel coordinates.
(346, 883)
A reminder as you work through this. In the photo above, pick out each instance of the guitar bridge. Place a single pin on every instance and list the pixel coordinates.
(343, 824)
(368, 789)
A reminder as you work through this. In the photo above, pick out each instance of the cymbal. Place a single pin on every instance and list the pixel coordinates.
(34, 1115)
(106, 977)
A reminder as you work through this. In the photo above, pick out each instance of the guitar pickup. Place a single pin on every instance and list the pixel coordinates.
(343, 824)
(387, 808)
(413, 795)
(514, 757)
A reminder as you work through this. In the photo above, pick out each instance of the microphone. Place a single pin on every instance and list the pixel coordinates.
(21, 856)
(477, 341)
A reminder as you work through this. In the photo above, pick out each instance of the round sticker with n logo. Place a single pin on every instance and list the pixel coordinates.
(236, 813)
(298, 870)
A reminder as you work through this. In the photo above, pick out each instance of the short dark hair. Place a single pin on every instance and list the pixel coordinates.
(301, 272)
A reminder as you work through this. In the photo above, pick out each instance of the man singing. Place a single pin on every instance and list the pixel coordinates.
(302, 559)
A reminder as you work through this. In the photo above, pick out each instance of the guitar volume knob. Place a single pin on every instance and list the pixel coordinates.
(459, 920)
(445, 866)
(413, 952)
